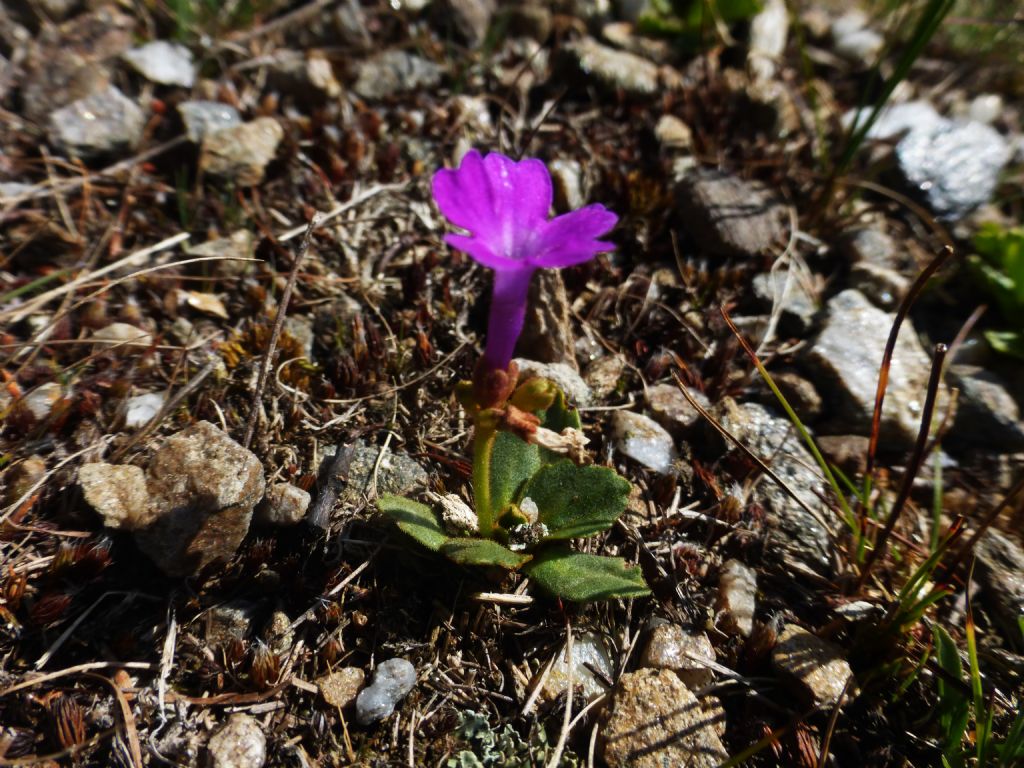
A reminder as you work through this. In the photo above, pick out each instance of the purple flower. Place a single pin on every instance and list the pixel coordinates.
(504, 206)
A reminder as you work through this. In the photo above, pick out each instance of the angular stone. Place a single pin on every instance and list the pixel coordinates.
(204, 486)
(230, 621)
(673, 134)
(1000, 571)
(206, 117)
(672, 647)
(819, 666)
(565, 376)
(589, 652)
(671, 407)
(118, 493)
(391, 72)
(472, 18)
(736, 600)
(140, 409)
(655, 721)
(127, 338)
(792, 530)
(284, 504)
(241, 153)
(103, 123)
(643, 439)
(396, 473)
(163, 62)
(727, 216)
(787, 292)
(340, 688)
(987, 414)
(604, 374)
(846, 358)
(955, 168)
(239, 744)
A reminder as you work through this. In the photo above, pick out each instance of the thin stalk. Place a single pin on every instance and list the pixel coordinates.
(914, 466)
(890, 348)
(483, 448)
(933, 543)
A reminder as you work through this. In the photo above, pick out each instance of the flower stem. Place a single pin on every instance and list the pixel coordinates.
(483, 447)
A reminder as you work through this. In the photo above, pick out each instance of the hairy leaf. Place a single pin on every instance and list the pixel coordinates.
(582, 578)
(415, 519)
(577, 501)
(482, 552)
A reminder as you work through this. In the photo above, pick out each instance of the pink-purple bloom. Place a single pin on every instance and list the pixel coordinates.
(504, 206)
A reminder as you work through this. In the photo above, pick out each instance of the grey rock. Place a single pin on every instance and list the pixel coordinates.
(163, 62)
(118, 493)
(472, 18)
(799, 393)
(392, 72)
(589, 652)
(284, 504)
(655, 721)
(736, 598)
(565, 376)
(68, 62)
(877, 269)
(206, 117)
(547, 331)
(787, 292)
(817, 665)
(230, 621)
(672, 647)
(1000, 571)
(300, 328)
(955, 167)
(846, 357)
(104, 123)
(203, 487)
(396, 473)
(792, 530)
(727, 216)
(604, 374)
(848, 452)
(868, 245)
(671, 408)
(392, 681)
(644, 440)
(885, 287)
(239, 744)
(341, 687)
(987, 414)
(614, 69)
(241, 153)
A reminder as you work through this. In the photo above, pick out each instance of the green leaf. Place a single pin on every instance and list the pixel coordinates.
(954, 706)
(1006, 342)
(513, 463)
(582, 578)
(577, 501)
(482, 552)
(415, 519)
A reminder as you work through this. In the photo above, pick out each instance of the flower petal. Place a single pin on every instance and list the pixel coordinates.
(503, 203)
(481, 252)
(571, 238)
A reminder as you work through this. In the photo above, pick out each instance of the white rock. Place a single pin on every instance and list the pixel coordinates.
(986, 108)
(163, 62)
(589, 648)
(565, 377)
(737, 590)
(141, 408)
(392, 681)
(205, 117)
(643, 440)
(124, 337)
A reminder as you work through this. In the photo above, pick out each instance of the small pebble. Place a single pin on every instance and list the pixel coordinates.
(284, 504)
(672, 647)
(340, 688)
(239, 744)
(206, 117)
(141, 408)
(644, 440)
(737, 589)
(818, 665)
(392, 681)
(163, 62)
